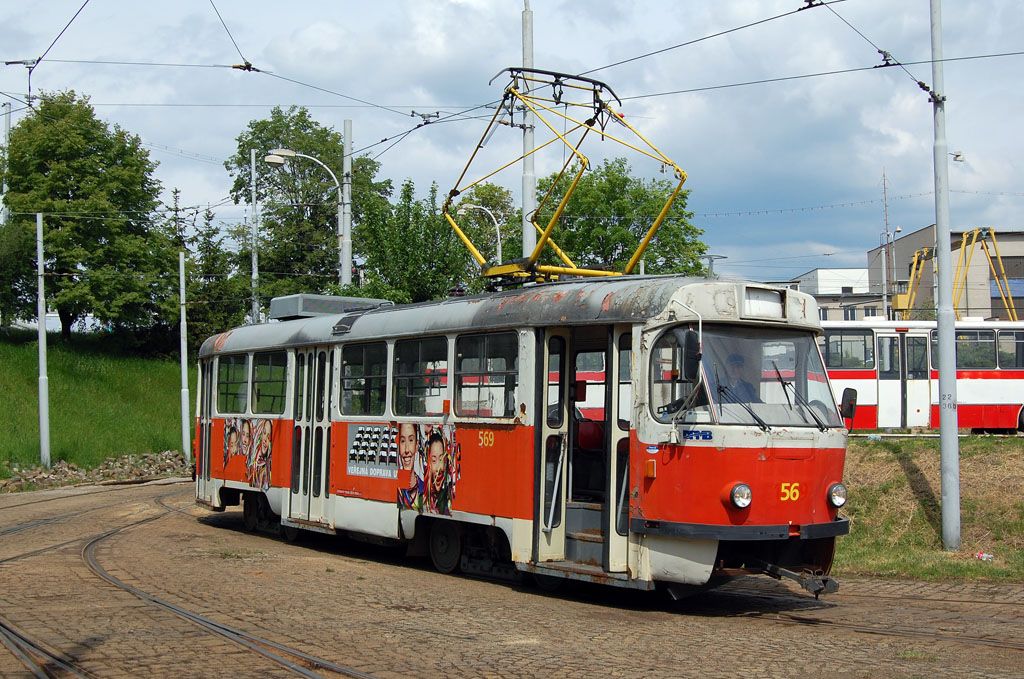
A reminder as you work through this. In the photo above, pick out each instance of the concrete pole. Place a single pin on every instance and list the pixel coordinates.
(948, 443)
(44, 385)
(345, 209)
(254, 231)
(186, 447)
(529, 178)
(6, 106)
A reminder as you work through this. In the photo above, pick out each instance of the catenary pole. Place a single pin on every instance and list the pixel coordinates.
(345, 208)
(186, 448)
(529, 178)
(254, 232)
(948, 443)
(44, 385)
(6, 106)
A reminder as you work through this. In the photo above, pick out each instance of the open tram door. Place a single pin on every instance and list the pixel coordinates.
(311, 436)
(582, 457)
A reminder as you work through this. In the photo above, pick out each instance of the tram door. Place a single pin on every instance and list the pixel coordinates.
(310, 469)
(553, 454)
(904, 398)
(203, 490)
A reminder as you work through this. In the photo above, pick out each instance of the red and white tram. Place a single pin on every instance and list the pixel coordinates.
(629, 431)
(893, 367)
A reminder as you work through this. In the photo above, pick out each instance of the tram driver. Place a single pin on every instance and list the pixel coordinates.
(740, 389)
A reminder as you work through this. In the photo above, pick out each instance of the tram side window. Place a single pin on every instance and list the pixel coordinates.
(364, 374)
(232, 384)
(974, 348)
(849, 349)
(1011, 349)
(421, 376)
(625, 395)
(486, 375)
(269, 382)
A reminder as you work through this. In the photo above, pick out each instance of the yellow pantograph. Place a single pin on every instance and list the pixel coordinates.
(585, 108)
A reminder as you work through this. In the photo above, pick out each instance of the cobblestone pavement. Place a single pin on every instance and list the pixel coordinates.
(376, 611)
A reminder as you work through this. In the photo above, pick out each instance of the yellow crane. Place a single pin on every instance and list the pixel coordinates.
(982, 235)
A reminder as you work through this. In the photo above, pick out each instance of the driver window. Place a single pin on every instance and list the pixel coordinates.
(672, 397)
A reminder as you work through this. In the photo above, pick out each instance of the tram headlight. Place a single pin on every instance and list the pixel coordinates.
(837, 495)
(741, 495)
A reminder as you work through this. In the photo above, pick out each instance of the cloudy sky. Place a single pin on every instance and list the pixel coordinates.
(784, 176)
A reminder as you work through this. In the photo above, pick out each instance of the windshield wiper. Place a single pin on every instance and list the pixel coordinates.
(726, 391)
(786, 386)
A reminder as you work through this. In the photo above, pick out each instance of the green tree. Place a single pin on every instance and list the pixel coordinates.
(411, 250)
(610, 212)
(480, 228)
(217, 295)
(298, 248)
(94, 182)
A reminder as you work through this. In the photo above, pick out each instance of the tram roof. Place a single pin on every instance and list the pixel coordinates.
(629, 299)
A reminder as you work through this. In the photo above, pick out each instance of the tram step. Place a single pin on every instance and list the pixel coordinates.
(585, 551)
(586, 535)
(582, 516)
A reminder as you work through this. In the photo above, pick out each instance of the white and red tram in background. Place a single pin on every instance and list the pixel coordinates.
(585, 429)
(893, 365)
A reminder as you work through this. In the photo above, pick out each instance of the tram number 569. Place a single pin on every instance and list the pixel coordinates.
(486, 439)
(790, 492)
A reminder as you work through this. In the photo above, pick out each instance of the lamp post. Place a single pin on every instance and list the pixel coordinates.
(278, 157)
(888, 239)
(497, 229)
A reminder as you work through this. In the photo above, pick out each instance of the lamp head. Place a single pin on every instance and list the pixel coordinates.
(284, 153)
(274, 159)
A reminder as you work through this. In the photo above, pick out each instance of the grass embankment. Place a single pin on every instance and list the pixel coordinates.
(100, 405)
(896, 515)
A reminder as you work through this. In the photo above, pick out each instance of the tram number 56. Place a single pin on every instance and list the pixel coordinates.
(790, 492)
(486, 439)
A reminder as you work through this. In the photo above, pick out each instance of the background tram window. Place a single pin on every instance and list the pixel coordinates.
(1011, 349)
(486, 375)
(364, 374)
(269, 382)
(232, 384)
(421, 376)
(849, 349)
(974, 348)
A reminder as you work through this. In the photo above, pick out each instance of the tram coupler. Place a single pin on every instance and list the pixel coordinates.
(815, 584)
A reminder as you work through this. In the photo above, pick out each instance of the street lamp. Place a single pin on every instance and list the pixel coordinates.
(497, 229)
(278, 157)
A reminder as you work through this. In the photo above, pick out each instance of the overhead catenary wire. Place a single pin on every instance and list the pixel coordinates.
(887, 57)
(876, 67)
(808, 5)
(227, 30)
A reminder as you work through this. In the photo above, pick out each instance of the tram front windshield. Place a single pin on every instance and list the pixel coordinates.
(753, 376)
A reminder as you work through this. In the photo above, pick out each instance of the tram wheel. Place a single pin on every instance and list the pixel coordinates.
(289, 533)
(251, 511)
(445, 546)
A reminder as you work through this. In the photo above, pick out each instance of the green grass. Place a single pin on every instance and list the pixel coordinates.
(896, 514)
(101, 405)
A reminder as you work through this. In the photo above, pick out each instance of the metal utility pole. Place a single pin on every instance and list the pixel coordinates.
(345, 210)
(44, 384)
(710, 259)
(186, 448)
(6, 106)
(885, 275)
(529, 179)
(254, 231)
(948, 443)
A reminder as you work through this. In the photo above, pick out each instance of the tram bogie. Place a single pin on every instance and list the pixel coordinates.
(629, 431)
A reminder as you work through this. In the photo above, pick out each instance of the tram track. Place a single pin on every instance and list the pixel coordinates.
(119, 486)
(295, 661)
(900, 632)
(38, 658)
